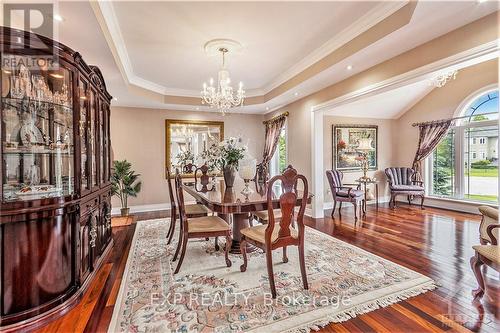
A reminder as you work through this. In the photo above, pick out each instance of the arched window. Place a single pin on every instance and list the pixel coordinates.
(465, 163)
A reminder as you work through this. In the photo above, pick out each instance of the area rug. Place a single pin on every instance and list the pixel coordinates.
(207, 296)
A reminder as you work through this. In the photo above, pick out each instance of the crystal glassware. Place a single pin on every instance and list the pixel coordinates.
(247, 167)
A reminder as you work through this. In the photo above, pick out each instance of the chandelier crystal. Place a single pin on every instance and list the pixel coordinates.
(222, 96)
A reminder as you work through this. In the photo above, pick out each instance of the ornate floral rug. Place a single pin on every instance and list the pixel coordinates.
(207, 296)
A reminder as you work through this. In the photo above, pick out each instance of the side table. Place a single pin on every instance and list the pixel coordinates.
(364, 182)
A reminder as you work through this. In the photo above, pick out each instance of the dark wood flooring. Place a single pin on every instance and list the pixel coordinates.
(434, 242)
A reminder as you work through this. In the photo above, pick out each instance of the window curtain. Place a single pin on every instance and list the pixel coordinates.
(273, 130)
(430, 134)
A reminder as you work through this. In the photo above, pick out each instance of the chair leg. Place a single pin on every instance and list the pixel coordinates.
(334, 207)
(243, 249)
(303, 267)
(363, 205)
(179, 243)
(183, 252)
(228, 247)
(422, 202)
(270, 272)
(392, 202)
(476, 263)
(217, 247)
(409, 200)
(340, 207)
(171, 230)
(355, 203)
(285, 258)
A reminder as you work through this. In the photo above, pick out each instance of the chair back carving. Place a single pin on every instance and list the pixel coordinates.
(173, 206)
(334, 179)
(288, 199)
(204, 178)
(180, 199)
(400, 176)
(188, 168)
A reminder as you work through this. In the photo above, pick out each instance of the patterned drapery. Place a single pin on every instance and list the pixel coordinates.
(430, 134)
(273, 130)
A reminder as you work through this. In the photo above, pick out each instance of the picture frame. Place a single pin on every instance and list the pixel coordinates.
(349, 144)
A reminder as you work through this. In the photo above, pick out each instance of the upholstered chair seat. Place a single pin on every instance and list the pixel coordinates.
(263, 216)
(352, 193)
(402, 182)
(407, 188)
(491, 252)
(207, 224)
(258, 233)
(196, 210)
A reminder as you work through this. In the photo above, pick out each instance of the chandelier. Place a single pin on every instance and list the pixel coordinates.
(222, 96)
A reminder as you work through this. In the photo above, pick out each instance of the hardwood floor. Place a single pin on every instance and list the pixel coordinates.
(434, 242)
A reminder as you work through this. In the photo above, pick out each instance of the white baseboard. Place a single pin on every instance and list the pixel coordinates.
(451, 204)
(145, 208)
(329, 205)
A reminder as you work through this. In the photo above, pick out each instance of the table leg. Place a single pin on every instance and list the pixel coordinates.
(365, 204)
(376, 195)
(240, 221)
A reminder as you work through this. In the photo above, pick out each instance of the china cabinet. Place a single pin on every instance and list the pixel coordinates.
(56, 192)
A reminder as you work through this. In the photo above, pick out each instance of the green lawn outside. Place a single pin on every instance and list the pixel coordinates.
(483, 172)
(479, 197)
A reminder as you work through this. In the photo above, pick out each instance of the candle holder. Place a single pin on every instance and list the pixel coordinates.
(247, 167)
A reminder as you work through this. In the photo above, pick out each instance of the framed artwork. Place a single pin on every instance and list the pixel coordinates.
(350, 143)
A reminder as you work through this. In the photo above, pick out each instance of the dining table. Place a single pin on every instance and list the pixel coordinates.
(235, 207)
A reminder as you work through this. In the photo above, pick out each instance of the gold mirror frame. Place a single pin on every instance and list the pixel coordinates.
(168, 138)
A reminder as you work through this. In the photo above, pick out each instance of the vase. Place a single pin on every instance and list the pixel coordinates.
(125, 211)
(229, 175)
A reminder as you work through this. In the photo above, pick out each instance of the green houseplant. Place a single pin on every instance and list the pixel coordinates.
(125, 182)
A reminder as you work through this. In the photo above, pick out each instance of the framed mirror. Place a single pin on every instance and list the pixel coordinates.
(186, 140)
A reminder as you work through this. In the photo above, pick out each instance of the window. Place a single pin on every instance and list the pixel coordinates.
(459, 169)
(279, 162)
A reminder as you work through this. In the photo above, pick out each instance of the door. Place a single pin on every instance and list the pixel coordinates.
(85, 251)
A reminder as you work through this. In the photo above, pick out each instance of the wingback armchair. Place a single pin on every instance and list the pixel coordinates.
(342, 193)
(401, 182)
(490, 217)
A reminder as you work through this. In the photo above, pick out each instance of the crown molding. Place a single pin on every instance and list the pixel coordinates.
(365, 22)
(106, 16)
(481, 53)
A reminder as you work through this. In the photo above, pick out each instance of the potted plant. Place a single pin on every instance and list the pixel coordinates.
(125, 182)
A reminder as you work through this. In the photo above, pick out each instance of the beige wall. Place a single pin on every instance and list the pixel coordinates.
(385, 150)
(440, 103)
(299, 124)
(138, 135)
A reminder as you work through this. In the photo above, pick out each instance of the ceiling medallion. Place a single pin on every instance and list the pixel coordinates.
(221, 96)
(440, 80)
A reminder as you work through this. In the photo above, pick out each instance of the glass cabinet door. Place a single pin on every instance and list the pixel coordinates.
(84, 134)
(101, 144)
(93, 138)
(36, 130)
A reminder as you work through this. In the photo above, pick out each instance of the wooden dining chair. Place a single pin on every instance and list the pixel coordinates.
(280, 235)
(199, 227)
(202, 179)
(193, 210)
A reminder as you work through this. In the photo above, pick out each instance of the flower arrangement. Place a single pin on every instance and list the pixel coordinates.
(226, 153)
(184, 157)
